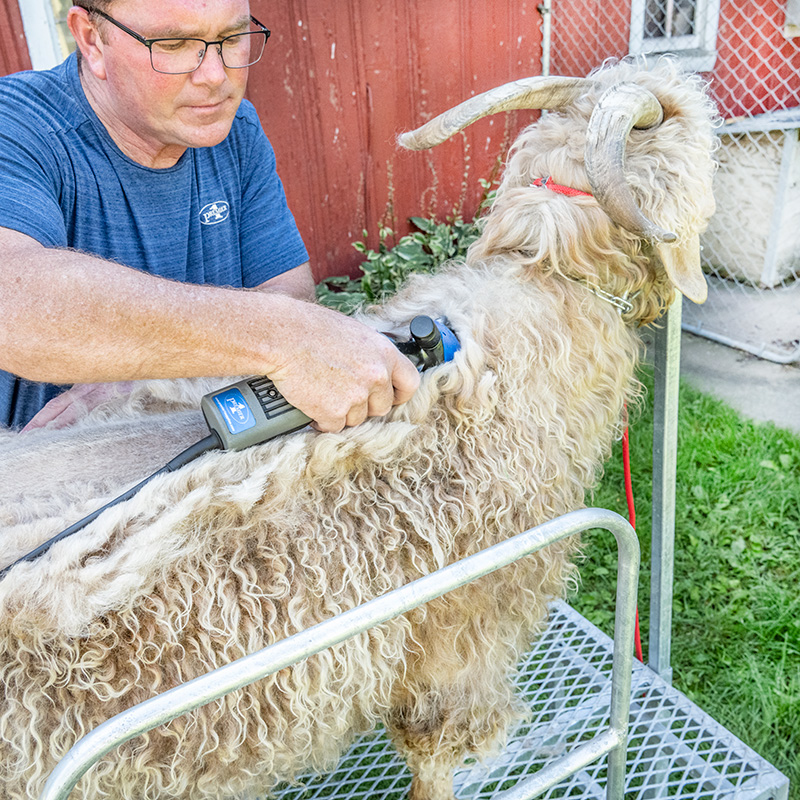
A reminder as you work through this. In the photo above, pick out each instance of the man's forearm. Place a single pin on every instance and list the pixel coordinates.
(297, 283)
(70, 317)
(66, 317)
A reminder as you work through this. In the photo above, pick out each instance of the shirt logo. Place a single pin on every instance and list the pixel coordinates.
(215, 212)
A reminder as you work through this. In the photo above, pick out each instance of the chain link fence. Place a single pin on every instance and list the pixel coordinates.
(750, 56)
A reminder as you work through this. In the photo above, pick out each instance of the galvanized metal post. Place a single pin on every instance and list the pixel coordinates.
(666, 361)
(546, 10)
(790, 166)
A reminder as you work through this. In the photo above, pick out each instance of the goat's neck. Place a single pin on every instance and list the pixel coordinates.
(622, 302)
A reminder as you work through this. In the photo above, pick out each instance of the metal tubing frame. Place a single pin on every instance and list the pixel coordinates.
(545, 9)
(769, 272)
(173, 703)
(666, 364)
(760, 351)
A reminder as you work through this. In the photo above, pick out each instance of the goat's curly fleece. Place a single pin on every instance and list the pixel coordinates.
(238, 550)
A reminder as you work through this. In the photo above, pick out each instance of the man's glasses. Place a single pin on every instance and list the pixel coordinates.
(179, 56)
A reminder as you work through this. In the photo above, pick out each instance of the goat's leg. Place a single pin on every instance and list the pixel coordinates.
(455, 698)
(437, 726)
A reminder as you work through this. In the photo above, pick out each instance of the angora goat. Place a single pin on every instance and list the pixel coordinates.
(240, 549)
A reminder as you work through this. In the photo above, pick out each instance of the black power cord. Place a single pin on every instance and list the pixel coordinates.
(253, 411)
(211, 442)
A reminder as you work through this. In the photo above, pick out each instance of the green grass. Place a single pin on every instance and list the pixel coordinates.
(736, 609)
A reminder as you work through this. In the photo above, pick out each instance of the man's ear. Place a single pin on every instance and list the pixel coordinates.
(88, 40)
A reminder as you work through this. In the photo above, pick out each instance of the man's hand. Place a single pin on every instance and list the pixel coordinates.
(340, 372)
(367, 377)
(76, 402)
(79, 319)
(339, 375)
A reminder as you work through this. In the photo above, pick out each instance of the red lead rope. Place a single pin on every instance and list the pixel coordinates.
(569, 191)
(626, 463)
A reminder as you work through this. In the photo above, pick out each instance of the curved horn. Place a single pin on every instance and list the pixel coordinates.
(529, 93)
(621, 108)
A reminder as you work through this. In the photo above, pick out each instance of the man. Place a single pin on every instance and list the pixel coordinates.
(131, 177)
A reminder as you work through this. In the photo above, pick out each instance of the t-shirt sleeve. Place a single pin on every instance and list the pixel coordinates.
(270, 241)
(29, 180)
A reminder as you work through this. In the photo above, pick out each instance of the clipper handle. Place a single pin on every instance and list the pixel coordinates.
(250, 412)
(253, 411)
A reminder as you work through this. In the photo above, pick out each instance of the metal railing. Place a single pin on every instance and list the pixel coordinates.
(244, 671)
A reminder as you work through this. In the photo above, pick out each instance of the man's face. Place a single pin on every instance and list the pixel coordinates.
(150, 112)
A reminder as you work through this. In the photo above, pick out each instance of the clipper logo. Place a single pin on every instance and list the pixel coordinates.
(236, 413)
(215, 212)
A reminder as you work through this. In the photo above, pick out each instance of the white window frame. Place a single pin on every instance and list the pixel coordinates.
(41, 33)
(791, 27)
(697, 52)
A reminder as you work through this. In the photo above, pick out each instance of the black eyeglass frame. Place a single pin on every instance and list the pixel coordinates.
(148, 43)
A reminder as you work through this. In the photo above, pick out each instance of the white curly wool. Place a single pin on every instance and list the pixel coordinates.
(240, 549)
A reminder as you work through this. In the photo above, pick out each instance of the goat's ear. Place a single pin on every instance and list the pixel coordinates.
(682, 263)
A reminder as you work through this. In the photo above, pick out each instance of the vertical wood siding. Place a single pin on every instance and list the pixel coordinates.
(13, 47)
(340, 80)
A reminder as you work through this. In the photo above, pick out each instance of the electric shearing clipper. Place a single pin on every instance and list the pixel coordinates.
(253, 411)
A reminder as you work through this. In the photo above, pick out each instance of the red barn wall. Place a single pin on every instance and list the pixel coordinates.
(757, 67)
(586, 32)
(13, 47)
(340, 80)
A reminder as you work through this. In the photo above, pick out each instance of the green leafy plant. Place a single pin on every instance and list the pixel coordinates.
(385, 269)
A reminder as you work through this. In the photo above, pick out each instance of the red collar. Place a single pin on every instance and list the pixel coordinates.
(547, 183)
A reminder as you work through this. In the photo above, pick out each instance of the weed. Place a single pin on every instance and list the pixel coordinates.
(385, 269)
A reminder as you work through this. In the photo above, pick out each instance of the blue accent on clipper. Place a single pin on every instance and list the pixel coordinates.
(450, 343)
(235, 411)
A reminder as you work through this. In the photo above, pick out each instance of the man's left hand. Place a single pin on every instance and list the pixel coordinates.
(76, 402)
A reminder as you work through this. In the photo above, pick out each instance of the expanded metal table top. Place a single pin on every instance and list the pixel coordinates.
(675, 749)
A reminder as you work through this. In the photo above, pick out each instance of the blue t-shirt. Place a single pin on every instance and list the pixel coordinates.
(218, 216)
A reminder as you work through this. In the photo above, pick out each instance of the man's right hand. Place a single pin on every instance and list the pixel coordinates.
(339, 372)
(79, 319)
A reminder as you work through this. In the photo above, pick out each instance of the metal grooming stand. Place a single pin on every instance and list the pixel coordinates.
(587, 698)
(611, 740)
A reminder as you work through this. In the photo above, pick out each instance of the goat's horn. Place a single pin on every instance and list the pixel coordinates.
(528, 93)
(621, 108)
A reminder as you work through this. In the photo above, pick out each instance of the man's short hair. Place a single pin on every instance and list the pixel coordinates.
(100, 5)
